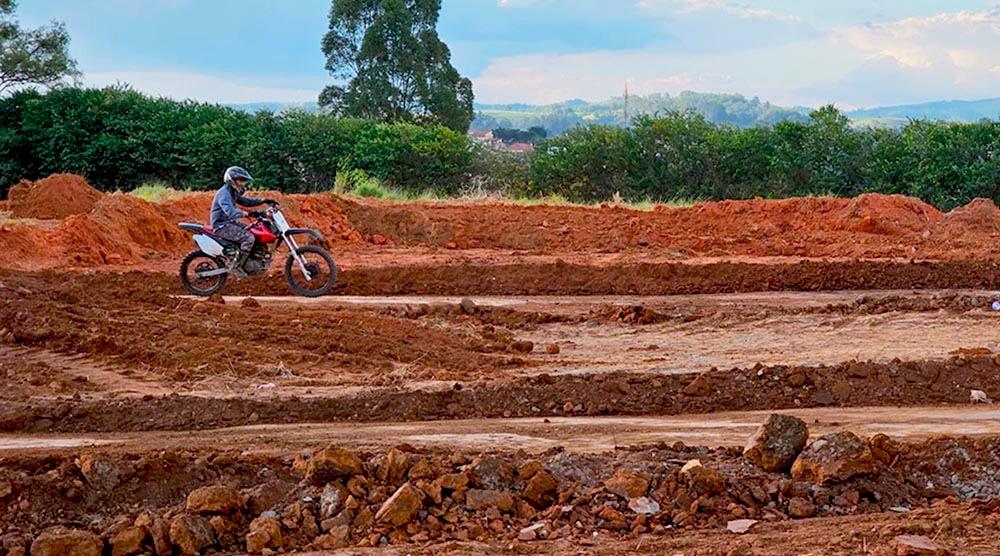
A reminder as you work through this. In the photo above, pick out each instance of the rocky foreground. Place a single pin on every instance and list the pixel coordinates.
(176, 503)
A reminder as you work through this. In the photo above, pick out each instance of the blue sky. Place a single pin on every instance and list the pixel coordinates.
(850, 52)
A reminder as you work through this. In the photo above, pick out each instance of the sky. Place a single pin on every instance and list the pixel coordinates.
(853, 53)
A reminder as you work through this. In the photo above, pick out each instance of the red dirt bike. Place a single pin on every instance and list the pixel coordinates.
(309, 269)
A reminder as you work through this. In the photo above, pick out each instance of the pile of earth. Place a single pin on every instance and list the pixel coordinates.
(330, 498)
(981, 216)
(55, 197)
(99, 229)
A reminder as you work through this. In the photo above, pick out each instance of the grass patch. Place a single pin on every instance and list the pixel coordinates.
(156, 192)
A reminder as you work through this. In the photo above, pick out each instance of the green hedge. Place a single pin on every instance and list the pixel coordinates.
(118, 139)
(682, 156)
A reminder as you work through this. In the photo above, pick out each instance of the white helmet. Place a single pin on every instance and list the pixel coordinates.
(234, 173)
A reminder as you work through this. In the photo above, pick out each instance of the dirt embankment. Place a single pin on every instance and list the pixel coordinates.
(848, 384)
(98, 229)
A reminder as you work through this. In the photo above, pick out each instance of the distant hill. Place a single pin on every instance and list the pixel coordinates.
(312, 107)
(556, 118)
(949, 110)
(718, 108)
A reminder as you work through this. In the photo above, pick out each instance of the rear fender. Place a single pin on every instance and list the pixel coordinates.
(208, 245)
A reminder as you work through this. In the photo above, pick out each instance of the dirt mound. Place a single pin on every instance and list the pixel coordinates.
(120, 229)
(981, 216)
(57, 196)
(886, 214)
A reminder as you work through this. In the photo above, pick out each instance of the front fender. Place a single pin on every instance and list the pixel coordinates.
(304, 231)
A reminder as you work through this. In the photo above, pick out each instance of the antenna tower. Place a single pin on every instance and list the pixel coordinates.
(628, 119)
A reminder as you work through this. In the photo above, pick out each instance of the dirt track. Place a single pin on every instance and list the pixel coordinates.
(586, 340)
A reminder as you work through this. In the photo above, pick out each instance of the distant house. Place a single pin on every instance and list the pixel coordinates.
(520, 147)
(485, 138)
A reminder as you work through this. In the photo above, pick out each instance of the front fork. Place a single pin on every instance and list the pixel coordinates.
(294, 247)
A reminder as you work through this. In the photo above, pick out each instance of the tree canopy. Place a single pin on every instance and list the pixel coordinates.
(392, 66)
(32, 56)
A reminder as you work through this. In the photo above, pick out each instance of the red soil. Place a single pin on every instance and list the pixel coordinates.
(117, 229)
(57, 196)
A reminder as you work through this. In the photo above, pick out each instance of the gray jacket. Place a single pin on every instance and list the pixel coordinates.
(224, 209)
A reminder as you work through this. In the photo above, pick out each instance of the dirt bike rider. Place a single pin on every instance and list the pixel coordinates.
(225, 215)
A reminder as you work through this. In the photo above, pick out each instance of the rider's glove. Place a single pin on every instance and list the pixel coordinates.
(256, 214)
(271, 202)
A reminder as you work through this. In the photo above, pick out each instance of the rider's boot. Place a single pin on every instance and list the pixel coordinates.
(236, 266)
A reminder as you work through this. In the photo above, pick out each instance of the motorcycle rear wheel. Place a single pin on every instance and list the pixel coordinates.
(321, 268)
(198, 261)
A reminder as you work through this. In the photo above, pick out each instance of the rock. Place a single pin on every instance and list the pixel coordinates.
(628, 484)
(689, 466)
(265, 497)
(740, 526)
(915, 545)
(468, 306)
(265, 533)
(191, 534)
(492, 473)
(160, 532)
(128, 541)
(834, 458)
(402, 506)
(644, 506)
(453, 481)
(332, 463)
(6, 489)
(338, 537)
(552, 349)
(396, 465)
(523, 346)
(532, 532)
(540, 489)
(227, 532)
(885, 449)
(60, 541)
(332, 500)
(704, 480)
(776, 443)
(801, 508)
(102, 472)
(978, 396)
(477, 499)
(698, 387)
(216, 499)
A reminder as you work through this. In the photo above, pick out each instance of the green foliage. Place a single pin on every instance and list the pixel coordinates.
(391, 65)
(156, 192)
(683, 155)
(32, 56)
(370, 188)
(532, 135)
(118, 138)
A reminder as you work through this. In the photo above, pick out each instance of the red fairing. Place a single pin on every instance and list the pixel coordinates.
(263, 235)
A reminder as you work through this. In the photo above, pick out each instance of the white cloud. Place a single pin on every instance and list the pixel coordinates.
(207, 88)
(953, 54)
(740, 10)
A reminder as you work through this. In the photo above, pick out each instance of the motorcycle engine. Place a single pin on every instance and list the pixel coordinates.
(258, 263)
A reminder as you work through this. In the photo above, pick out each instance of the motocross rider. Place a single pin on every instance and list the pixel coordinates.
(225, 215)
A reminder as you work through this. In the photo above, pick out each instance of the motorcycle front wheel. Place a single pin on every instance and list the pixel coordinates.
(322, 271)
(196, 262)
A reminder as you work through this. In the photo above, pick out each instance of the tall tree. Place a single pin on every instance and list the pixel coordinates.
(391, 65)
(32, 56)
